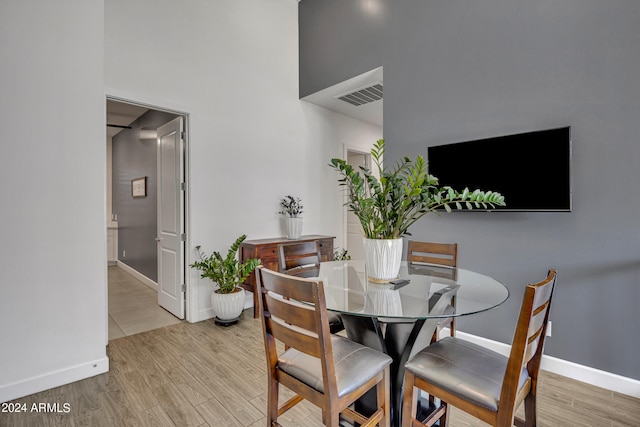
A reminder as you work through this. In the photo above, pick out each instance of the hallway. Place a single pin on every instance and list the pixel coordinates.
(133, 306)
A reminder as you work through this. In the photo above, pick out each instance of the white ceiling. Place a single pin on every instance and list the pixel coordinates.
(328, 98)
(121, 114)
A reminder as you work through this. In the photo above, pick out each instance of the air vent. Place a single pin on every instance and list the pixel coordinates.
(363, 96)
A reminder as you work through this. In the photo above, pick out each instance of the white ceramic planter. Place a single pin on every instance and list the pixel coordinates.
(382, 258)
(293, 227)
(228, 306)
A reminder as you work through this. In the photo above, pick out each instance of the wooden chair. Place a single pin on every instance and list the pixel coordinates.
(440, 254)
(481, 382)
(302, 259)
(328, 370)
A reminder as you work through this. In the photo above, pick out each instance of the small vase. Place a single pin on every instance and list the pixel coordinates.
(382, 258)
(228, 306)
(293, 227)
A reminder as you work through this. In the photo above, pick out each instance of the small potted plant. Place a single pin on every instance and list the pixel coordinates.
(292, 209)
(228, 299)
(387, 205)
(340, 254)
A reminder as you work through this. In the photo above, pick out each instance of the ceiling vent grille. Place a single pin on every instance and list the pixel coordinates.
(363, 96)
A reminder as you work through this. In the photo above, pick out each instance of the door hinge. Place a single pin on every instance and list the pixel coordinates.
(183, 135)
(183, 287)
(183, 237)
(183, 186)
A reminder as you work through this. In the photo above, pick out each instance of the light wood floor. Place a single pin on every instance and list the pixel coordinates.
(133, 306)
(206, 375)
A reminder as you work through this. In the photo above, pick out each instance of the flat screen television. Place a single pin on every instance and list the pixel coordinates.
(532, 170)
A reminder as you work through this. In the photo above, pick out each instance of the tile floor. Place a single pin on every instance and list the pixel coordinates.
(133, 306)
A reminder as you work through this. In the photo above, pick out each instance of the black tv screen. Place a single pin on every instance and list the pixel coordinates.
(532, 170)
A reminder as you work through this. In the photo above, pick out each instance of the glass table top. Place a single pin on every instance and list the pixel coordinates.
(421, 291)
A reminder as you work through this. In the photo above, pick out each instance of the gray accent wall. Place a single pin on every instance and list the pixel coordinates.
(467, 69)
(135, 157)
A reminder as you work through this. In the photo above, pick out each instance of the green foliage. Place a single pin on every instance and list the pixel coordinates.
(291, 206)
(387, 205)
(227, 272)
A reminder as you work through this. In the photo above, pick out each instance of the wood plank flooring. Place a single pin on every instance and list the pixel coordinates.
(206, 375)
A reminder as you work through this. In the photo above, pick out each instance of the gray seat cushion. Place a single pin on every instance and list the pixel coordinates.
(355, 364)
(463, 368)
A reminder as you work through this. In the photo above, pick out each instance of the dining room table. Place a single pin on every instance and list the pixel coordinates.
(399, 317)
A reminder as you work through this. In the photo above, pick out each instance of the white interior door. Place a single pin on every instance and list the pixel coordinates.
(171, 237)
(355, 245)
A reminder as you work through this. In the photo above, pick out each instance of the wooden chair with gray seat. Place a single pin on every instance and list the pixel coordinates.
(438, 254)
(328, 370)
(481, 382)
(302, 259)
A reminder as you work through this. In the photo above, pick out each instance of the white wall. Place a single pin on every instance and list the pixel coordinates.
(52, 169)
(233, 67)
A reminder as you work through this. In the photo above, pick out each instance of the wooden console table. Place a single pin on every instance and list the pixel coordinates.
(266, 250)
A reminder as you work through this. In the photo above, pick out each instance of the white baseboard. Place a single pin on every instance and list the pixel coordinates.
(586, 374)
(53, 379)
(135, 273)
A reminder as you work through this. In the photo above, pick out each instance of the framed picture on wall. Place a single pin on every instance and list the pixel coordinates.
(139, 187)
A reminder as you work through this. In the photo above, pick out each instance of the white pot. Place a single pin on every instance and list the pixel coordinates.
(382, 258)
(228, 306)
(293, 227)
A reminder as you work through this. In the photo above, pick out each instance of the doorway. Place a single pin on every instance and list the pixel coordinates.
(134, 162)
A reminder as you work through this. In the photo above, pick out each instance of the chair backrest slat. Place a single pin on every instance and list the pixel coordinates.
(290, 287)
(296, 338)
(432, 253)
(300, 259)
(543, 295)
(537, 321)
(298, 315)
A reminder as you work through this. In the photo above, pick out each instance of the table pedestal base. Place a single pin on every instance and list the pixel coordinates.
(400, 340)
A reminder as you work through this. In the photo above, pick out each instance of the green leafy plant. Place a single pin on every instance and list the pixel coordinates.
(387, 206)
(341, 255)
(291, 206)
(227, 272)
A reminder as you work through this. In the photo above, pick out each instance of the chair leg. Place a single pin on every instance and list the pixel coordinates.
(332, 419)
(410, 400)
(384, 398)
(530, 410)
(444, 418)
(272, 403)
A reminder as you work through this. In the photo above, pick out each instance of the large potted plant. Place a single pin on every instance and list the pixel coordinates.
(388, 204)
(292, 209)
(228, 273)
